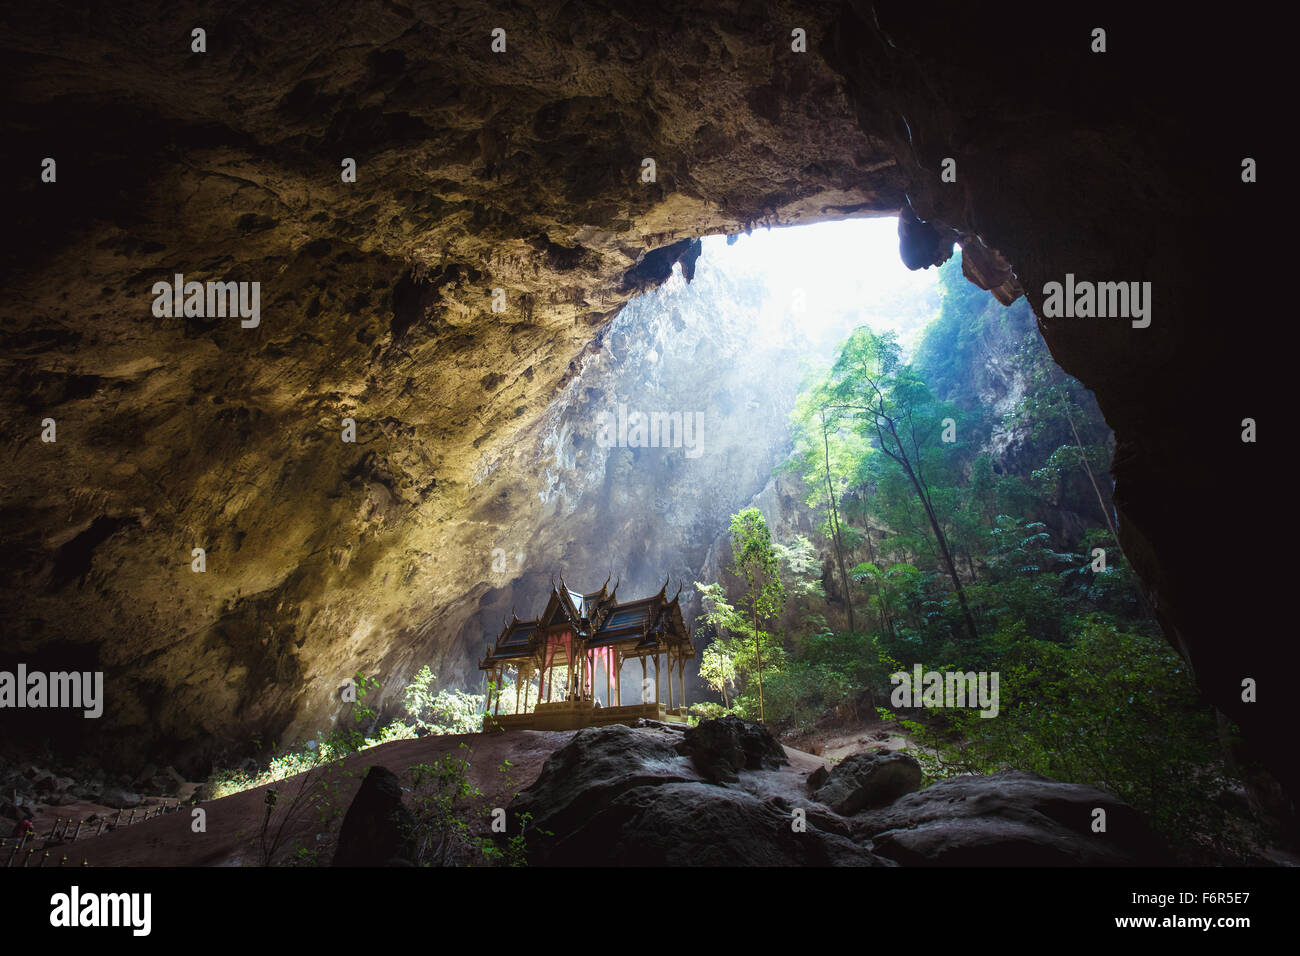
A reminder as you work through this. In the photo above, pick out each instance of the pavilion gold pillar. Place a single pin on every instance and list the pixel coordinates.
(496, 686)
(681, 679)
(656, 679)
(618, 678)
(528, 685)
(643, 678)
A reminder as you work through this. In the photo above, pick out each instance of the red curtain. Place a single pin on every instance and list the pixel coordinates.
(553, 643)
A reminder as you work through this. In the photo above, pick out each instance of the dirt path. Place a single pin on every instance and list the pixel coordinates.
(836, 743)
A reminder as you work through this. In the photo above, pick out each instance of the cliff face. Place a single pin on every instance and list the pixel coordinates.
(519, 171)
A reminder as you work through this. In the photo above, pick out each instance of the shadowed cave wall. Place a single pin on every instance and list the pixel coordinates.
(520, 171)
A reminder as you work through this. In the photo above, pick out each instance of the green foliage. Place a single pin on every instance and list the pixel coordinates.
(798, 693)
(756, 563)
(314, 791)
(802, 568)
(742, 649)
(1113, 709)
(994, 552)
(708, 710)
(448, 711)
(445, 805)
(718, 669)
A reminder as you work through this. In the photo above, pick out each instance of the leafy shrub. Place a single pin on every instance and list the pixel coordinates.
(1116, 710)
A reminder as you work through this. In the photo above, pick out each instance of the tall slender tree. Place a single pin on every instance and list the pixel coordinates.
(823, 464)
(755, 562)
(903, 421)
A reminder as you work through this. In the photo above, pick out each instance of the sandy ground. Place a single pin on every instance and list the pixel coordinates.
(834, 743)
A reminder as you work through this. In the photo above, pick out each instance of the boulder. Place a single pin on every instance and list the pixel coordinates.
(378, 829)
(166, 782)
(1013, 818)
(593, 768)
(817, 779)
(88, 791)
(719, 748)
(702, 824)
(143, 778)
(618, 796)
(119, 799)
(864, 780)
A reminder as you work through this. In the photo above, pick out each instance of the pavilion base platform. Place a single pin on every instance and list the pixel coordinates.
(576, 714)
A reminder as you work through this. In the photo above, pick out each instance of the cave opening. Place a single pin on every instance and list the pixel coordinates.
(933, 493)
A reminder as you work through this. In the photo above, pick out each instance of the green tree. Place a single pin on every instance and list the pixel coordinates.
(755, 563)
(718, 670)
(904, 422)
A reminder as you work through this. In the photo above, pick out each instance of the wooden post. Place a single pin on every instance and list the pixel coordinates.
(669, 660)
(517, 683)
(497, 681)
(643, 678)
(656, 680)
(681, 679)
(618, 677)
